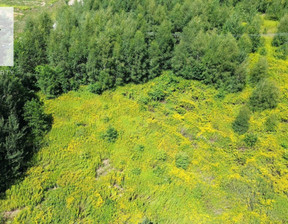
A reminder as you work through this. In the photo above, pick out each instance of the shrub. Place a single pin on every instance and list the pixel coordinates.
(241, 123)
(282, 52)
(162, 156)
(110, 135)
(271, 123)
(182, 160)
(259, 71)
(281, 39)
(96, 88)
(250, 139)
(265, 96)
(157, 94)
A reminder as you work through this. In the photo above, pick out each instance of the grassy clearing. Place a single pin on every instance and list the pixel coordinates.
(25, 8)
(80, 177)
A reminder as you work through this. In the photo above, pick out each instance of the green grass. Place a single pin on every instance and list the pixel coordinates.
(80, 177)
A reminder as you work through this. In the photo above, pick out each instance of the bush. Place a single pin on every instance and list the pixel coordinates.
(110, 135)
(282, 52)
(271, 123)
(265, 96)
(250, 139)
(241, 123)
(281, 39)
(182, 160)
(162, 156)
(96, 88)
(157, 94)
(259, 71)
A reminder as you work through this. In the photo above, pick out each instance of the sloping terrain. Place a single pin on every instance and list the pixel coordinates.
(163, 152)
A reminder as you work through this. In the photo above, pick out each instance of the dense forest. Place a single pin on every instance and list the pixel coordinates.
(106, 45)
(111, 43)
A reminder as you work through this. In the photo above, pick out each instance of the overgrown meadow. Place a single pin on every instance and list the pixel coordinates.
(159, 152)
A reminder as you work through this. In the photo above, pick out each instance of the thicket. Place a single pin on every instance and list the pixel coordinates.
(281, 38)
(110, 43)
(23, 123)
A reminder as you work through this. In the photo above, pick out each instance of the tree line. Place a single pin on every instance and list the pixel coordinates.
(23, 123)
(111, 43)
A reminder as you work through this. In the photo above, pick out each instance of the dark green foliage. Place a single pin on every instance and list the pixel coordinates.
(134, 41)
(254, 32)
(265, 96)
(233, 25)
(263, 51)
(241, 123)
(281, 37)
(271, 123)
(53, 82)
(157, 94)
(21, 127)
(31, 48)
(182, 160)
(250, 139)
(245, 46)
(110, 135)
(37, 121)
(214, 59)
(96, 88)
(282, 51)
(276, 9)
(259, 71)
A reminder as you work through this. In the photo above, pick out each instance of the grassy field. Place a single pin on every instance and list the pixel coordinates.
(24, 8)
(174, 161)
